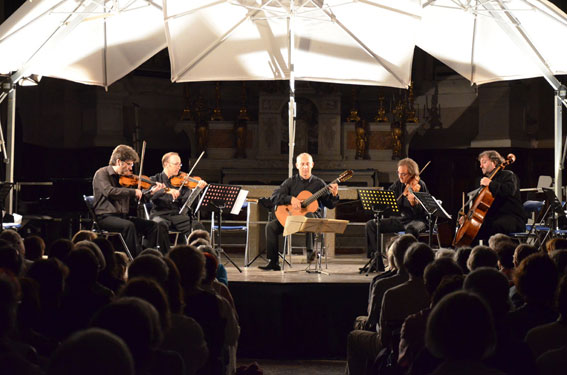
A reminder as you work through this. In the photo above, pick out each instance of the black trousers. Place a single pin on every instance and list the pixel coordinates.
(178, 223)
(389, 225)
(274, 229)
(505, 224)
(129, 227)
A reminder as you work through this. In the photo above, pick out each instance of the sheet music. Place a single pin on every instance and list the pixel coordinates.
(240, 199)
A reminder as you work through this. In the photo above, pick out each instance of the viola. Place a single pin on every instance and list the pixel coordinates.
(182, 179)
(133, 180)
(414, 185)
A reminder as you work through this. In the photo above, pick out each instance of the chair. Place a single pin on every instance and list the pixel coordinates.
(147, 209)
(233, 228)
(89, 202)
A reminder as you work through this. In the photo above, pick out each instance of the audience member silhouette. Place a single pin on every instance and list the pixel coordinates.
(482, 256)
(35, 247)
(92, 352)
(11, 258)
(461, 257)
(60, 249)
(460, 331)
(109, 276)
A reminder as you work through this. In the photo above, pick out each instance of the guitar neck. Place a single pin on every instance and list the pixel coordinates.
(318, 194)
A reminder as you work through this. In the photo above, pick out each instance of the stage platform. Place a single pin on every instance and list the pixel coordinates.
(295, 314)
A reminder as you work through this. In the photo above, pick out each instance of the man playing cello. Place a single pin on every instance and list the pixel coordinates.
(286, 195)
(506, 214)
(412, 217)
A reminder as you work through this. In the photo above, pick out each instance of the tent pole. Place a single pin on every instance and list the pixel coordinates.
(11, 130)
(558, 140)
(291, 109)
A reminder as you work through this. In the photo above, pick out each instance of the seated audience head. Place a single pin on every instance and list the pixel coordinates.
(92, 352)
(150, 251)
(50, 274)
(14, 238)
(83, 235)
(211, 263)
(107, 250)
(449, 284)
(122, 263)
(9, 295)
(133, 320)
(522, 252)
(93, 247)
(173, 288)
(150, 291)
(536, 279)
(199, 233)
(467, 314)
(559, 257)
(399, 248)
(448, 253)
(83, 267)
(35, 247)
(482, 256)
(437, 270)
(493, 287)
(149, 266)
(200, 242)
(461, 257)
(562, 299)
(60, 249)
(191, 264)
(11, 258)
(556, 244)
(505, 252)
(495, 239)
(417, 257)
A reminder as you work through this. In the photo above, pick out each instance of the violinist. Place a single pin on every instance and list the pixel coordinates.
(506, 214)
(412, 217)
(167, 203)
(112, 202)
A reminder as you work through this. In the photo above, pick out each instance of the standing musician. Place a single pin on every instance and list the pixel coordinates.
(286, 195)
(413, 218)
(166, 204)
(506, 214)
(112, 202)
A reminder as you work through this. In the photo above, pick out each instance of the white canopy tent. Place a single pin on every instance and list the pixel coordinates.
(346, 41)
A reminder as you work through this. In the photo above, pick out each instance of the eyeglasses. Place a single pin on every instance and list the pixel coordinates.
(403, 174)
(129, 163)
(176, 164)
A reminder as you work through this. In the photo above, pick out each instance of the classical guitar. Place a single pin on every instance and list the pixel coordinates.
(308, 200)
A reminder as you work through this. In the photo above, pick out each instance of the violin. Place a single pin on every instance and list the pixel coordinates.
(133, 180)
(182, 179)
(414, 185)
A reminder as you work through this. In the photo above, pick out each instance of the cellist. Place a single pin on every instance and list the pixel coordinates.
(506, 214)
(412, 217)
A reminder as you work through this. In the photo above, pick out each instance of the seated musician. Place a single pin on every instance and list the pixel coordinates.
(412, 217)
(167, 204)
(506, 214)
(286, 195)
(112, 202)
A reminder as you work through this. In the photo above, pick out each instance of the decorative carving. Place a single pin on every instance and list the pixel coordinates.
(381, 115)
(397, 147)
(217, 114)
(361, 128)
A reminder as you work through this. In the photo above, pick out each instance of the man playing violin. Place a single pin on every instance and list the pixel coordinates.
(112, 203)
(412, 217)
(166, 203)
(506, 214)
(286, 195)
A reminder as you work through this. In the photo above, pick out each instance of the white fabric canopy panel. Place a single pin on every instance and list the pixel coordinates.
(106, 39)
(495, 40)
(356, 42)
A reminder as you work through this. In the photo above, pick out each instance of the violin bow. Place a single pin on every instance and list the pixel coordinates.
(141, 165)
(422, 169)
(191, 171)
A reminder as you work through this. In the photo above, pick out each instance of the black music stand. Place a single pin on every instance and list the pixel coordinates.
(555, 209)
(5, 188)
(380, 202)
(432, 209)
(220, 197)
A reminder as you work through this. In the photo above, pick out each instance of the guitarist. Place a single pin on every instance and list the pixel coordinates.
(166, 204)
(286, 195)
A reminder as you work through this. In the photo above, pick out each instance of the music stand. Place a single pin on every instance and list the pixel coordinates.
(220, 197)
(380, 202)
(299, 223)
(555, 207)
(5, 188)
(432, 208)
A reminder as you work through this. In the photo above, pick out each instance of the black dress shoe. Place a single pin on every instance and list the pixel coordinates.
(269, 267)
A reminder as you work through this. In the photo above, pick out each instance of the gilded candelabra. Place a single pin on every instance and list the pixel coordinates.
(381, 115)
(217, 115)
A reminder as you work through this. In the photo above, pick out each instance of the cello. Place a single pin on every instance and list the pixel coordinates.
(474, 218)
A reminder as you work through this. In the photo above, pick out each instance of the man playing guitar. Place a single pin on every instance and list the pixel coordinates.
(286, 195)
